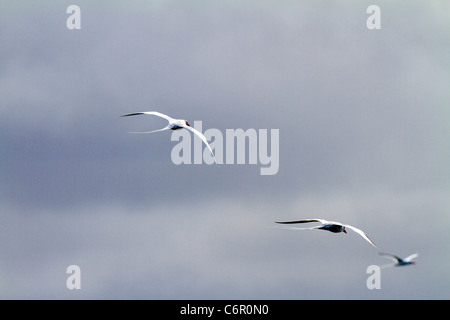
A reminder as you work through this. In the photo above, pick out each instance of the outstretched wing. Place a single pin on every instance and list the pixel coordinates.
(153, 113)
(390, 256)
(163, 129)
(362, 234)
(296, 228)
(411, 257)
(322, 221)
(201, 136)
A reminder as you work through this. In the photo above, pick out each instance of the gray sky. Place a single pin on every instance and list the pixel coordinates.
(364, 139)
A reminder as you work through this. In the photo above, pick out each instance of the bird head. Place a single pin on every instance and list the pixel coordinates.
(187, 123)
(345, 231)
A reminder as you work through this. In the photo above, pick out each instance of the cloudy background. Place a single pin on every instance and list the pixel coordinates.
(363, 117)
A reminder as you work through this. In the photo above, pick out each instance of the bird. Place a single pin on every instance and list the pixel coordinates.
(331, 226)
(399, 262)
(174, 124)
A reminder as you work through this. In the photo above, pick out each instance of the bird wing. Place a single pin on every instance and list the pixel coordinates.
(154, 113)
(201, 136)
(322, 221)
(362, 234)
(390, 256)
(163, 129)
(388, 265)
(296, 228)
(411, 257)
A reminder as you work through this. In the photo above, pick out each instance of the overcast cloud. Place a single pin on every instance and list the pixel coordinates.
(363, 119)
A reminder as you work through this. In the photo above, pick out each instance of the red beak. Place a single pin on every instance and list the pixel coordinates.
(345, 231)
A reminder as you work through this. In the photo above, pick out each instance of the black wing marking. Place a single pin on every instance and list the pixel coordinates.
(298, 221)
(132, 114)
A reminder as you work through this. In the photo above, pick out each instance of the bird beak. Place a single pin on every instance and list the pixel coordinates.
(345, 231)
(188, 124)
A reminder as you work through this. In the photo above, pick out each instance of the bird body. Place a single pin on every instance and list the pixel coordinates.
(332, 228)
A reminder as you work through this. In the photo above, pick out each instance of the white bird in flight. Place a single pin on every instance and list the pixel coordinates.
(331, 226)
(174, 124)
(399, 262)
